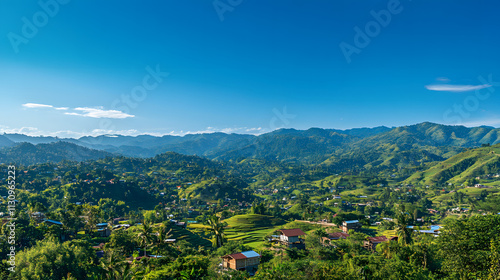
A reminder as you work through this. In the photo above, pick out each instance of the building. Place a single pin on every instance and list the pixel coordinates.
(181, 224)
(103, 230)
(337, 235)
(291, 238)
(372, 242)
(347, 225)
(52, 222)
(63, 235)
(38, 216)
(248, 261)
(334, 236)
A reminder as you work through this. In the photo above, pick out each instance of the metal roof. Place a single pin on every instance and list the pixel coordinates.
(435, 227)
(352, 222)
(243, 255)
(53, 222)
(250, 254)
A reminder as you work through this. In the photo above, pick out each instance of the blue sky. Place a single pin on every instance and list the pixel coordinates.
(72, 68)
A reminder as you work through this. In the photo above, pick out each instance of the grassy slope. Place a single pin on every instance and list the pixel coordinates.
(253, 228)
(461, 166)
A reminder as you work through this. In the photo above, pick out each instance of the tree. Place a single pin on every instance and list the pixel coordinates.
(388, 249)
(465, 246)
(145, 235)
(122, 241)
(163, 233)
(404, 233)
(49, 259)
(494, 270)
(216, 227)
(113, 265)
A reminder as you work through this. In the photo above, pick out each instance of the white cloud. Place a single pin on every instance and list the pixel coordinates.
(456, 88)
(443, 79)
(99, 113)
(35, 105)
(227, 130)
(30, 131)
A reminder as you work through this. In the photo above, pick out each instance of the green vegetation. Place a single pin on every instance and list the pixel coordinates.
(173, 216)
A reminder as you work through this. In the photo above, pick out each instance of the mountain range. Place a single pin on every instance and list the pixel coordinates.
(342, 150)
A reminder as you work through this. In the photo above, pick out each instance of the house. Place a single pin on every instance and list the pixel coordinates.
(432, 211)
(52, 222)
(347, 225)
(337, 235)
(121, 226)
(63, 235)
(103, 230)
(38, 216)
(334, 236)
(248, 261)
(181, 224)
(433, 230)
(291, 238)
(372, 242)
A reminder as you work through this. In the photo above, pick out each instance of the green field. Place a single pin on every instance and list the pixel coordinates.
(252, 229)
(469, 191)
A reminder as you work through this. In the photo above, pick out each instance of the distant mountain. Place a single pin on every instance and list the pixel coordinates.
(364, 132)
(218, 145)
(410, 146)
(431, 134)
(27, 154)
(6, 142)
(19, 138)
(290, 145)
(357, 149)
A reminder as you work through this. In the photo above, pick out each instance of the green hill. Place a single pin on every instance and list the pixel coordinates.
(251, 228)
(459, 168)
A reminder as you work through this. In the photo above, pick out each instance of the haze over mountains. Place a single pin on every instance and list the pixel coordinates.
(352, 149)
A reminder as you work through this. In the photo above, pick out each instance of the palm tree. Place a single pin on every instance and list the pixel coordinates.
(113, 265)
(388, 249)
(146, 236)
(163, 234)
(217, 228)
(402, 230)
